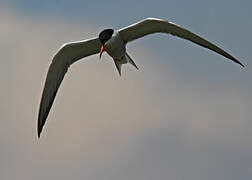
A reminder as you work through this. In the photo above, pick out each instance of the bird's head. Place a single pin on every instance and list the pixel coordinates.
(104, 36)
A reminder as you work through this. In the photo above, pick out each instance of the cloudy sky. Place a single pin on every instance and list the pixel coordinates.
(185, 115)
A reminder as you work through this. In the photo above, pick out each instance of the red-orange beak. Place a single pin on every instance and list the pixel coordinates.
(102, 49)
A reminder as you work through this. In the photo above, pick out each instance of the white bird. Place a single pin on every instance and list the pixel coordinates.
(114, 43)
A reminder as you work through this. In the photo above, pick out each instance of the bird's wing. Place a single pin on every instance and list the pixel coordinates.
(66, 55)
(153, 25)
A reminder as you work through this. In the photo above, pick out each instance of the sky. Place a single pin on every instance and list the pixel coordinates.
(184, 115)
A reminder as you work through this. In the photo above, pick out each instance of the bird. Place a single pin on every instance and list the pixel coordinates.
(114, 43)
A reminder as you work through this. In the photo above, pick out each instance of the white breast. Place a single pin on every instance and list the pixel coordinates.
(115, 47)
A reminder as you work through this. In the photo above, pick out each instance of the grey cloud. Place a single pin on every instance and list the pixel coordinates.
(148, 124)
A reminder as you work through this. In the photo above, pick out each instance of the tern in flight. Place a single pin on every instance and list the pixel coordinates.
(114, 43)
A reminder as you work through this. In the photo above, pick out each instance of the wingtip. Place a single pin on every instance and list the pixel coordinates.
(39, 132)
(39, 129)
(242, 65)
(238, 62)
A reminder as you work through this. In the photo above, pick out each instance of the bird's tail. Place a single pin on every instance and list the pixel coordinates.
(130, 61)
(118, 65)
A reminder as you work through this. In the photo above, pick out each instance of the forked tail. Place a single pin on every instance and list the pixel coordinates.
(131, 61)
(118, 66)
(119, 63)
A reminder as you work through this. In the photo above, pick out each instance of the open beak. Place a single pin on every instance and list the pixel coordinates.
(102, 49)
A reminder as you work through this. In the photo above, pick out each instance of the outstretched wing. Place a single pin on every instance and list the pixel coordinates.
(153, 25)
(66, 55)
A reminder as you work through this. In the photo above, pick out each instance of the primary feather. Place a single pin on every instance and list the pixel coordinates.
(153, 25)
(67, 55)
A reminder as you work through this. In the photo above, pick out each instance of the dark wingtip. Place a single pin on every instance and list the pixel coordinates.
(238, 62)
(39, 131)
(39, 127)
(242, 64)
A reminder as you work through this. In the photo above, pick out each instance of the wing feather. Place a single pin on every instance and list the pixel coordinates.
(67, 55)
(153, 25)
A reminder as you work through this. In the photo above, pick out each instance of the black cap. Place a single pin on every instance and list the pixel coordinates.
(105, 35)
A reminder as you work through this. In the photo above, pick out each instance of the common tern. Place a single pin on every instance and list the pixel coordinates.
(114, 43)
